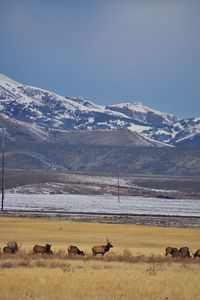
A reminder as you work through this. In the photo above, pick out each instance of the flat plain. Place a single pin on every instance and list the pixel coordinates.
(135, 268)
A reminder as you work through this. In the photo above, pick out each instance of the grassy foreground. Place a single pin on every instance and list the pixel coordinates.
(135, 268)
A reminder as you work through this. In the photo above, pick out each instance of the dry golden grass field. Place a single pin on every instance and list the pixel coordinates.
(135, 268)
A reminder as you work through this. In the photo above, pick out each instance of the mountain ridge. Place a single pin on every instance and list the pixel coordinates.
(49, 113)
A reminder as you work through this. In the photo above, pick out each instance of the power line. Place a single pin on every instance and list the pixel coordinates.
(118, 195)
(3, 171)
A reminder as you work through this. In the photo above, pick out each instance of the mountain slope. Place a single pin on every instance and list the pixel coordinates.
(189, 132)
(143, 113)
(99, 158)
(19, 131)
(181, 133)
(121, 137)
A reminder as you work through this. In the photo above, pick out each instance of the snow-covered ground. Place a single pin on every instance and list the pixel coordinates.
(102, 204)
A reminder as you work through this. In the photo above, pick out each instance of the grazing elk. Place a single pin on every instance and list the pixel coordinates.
(197, 253)
(43, 249)
(13, 245)
(184, 252)
(174, 252)
(75, 251)
(8, 250)
(102, 249)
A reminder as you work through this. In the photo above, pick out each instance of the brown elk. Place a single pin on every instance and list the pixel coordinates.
(174, 252)
(13, 245)
(197, 253)
(75, 250)
(8, 250)
(184, 252)
(102, 249)
(43, 249)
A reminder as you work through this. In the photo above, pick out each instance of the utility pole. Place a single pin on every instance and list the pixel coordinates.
(3, 171)
(118, 196)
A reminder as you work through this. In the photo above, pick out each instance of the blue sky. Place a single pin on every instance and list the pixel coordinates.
(106, 51)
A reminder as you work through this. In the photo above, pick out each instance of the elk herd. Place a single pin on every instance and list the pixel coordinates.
(182, 252)
(12, 247)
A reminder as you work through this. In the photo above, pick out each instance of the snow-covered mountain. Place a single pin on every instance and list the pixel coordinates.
(49, 110)
(189, 132)
(142, 113)
(180, 133)
(48, 113)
